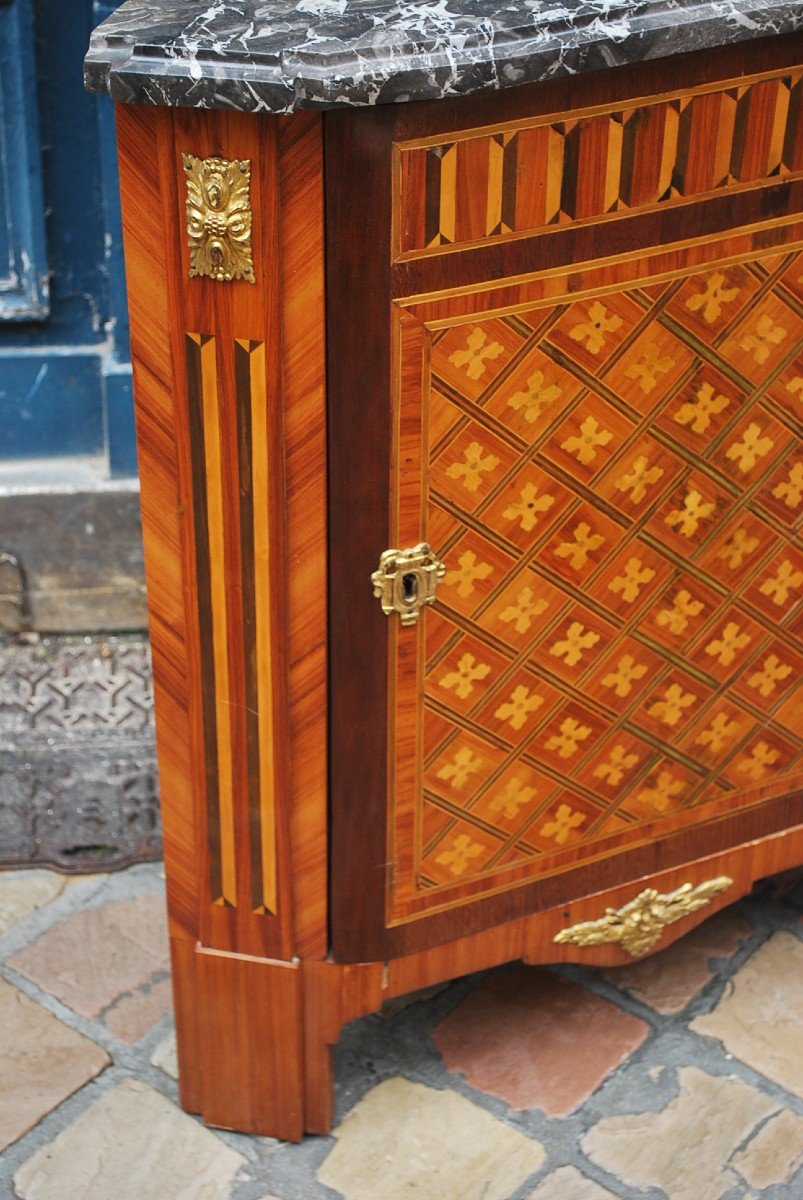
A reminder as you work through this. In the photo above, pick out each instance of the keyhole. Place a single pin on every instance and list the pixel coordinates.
(409, 588)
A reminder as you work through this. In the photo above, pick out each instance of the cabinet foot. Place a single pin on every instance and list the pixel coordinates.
(255, 1037)
(239, 1030)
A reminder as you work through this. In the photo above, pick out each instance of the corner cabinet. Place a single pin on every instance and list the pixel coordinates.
(469, 436)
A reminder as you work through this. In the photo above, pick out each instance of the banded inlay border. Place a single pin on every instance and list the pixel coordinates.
(559, 169)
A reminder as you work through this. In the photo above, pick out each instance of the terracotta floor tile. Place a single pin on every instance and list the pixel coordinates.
(98, 953)
(667, 981)
(515, 1033)
(132, 1144)
(41, 1063)
(758, 1018)
(686, 1150)
(404, 1140)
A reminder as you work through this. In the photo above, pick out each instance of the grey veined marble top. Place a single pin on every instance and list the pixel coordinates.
(275, 57)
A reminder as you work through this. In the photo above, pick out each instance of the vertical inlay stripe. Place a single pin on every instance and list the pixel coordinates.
(193, 347)
(493, 205)
(432, 207)
(220, 654)
(242, 385)
(509, 182)
(448, 193)
(779, 126)
(255, 533)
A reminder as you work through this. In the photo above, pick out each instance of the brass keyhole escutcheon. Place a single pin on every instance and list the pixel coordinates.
(405, 581)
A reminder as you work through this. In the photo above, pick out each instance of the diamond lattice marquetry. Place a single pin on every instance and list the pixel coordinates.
(615, 488)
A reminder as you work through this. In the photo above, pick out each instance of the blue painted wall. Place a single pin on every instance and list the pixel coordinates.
(65, 376)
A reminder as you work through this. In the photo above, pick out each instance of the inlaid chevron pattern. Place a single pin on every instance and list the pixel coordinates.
(616, 488)
(535, 175)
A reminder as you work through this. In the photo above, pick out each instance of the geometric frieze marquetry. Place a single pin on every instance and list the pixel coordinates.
(555, 170)
(616, 489)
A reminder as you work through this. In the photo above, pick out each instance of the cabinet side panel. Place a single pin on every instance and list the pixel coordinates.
(164, 478)
(222, 173)
(229, 384)
(304, 388)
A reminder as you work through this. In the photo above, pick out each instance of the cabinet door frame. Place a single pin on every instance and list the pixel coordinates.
(367, 270)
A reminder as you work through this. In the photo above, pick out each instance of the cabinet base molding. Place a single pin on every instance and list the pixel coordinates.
(256, 1035)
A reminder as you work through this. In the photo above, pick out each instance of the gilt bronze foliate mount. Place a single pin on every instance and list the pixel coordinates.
(219, 217)
(639, 924)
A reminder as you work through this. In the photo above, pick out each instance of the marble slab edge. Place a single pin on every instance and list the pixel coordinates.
(138, 56)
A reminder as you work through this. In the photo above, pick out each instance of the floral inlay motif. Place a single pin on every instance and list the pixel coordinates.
(538, 396)
(619, 762)
(464, 764)
(739, 546)
(561, 823)
(575, 642)
(627, 670)
(709, 302)
(725, 647)
(791, 490)
(697, 414)
(518, 708)
(571, 734)
(638, 478)
(649, 366)
(584, 444)
(634, 576)
(462, 852)
(525, 510)
(466, 674)
(476, 354)
(583, 543)
(515, 796)
(526, 607)
(594, 331)
(467, 572)
(772, 673)
(785, 580)
(765, 335)
(476, 464)
(721, 731)
(659, 795)
(761, 757)
(671, 707)
(753, 446)
(676, 618)
(686, 520)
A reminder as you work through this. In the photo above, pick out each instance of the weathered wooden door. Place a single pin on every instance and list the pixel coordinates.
(65, 376)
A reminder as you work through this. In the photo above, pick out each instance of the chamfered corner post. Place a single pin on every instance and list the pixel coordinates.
(223, 233)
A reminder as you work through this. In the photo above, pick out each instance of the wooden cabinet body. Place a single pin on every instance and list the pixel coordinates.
(555, 333)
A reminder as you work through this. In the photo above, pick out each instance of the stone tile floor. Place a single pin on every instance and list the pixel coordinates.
(678, 1078)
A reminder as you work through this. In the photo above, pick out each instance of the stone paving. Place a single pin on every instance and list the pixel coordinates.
(677, 1078)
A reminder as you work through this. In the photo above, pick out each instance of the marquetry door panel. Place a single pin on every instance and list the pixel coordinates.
(580, 380)
(615, 485)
